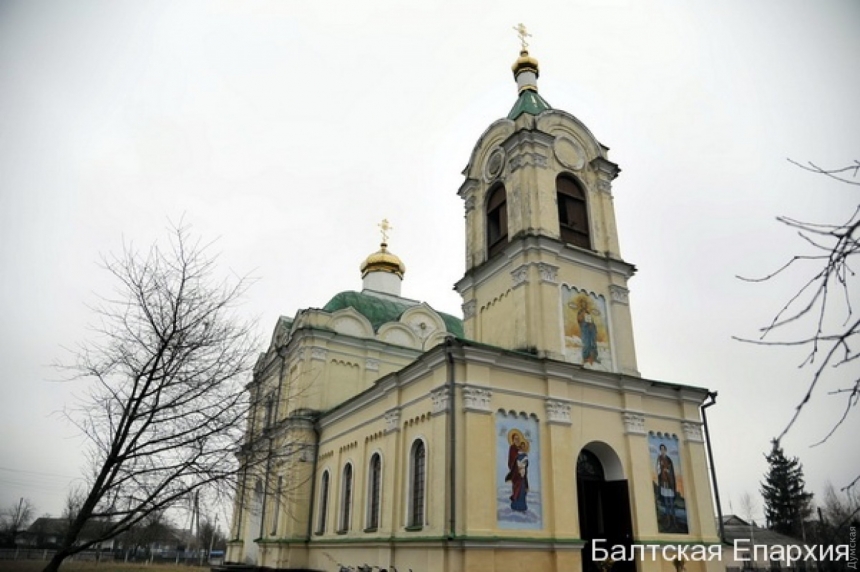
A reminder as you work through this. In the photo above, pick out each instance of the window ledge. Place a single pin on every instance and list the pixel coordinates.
(344, 531)
(414, 527)
(371, 529)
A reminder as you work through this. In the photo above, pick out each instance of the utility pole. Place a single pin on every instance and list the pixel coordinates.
(212, 539)
(197, 517)
(17, 522)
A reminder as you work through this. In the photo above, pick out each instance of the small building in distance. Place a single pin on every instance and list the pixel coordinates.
(745, 535)
(48, 532)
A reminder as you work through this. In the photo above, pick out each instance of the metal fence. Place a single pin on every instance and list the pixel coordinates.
(163, 557)
(47, 554)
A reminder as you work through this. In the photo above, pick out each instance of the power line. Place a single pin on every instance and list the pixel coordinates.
(43, 487)
(37, 473)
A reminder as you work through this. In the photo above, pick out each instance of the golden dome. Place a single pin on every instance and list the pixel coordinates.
(383, 261)
(525, 63)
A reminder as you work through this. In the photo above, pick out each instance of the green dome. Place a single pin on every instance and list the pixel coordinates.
(380, 311)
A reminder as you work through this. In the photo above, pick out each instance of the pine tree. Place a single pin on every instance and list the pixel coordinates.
(787, 504)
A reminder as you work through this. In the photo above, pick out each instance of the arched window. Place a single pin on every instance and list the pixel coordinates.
(572, 212)
(257, 509)
(270, 411)
(346, 498)
(277, 512)
(374, 488)
(417, 483)
(321, 520)
(497, 221)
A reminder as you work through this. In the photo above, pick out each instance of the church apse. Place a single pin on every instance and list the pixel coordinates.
(586, 329)
(518, 477)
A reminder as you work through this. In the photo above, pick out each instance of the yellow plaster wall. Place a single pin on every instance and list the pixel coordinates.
(597, 409)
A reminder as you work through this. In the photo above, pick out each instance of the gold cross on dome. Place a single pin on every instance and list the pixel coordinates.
(384, 227)
(523, 34)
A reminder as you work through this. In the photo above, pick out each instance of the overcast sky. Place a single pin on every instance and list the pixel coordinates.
(288, 130)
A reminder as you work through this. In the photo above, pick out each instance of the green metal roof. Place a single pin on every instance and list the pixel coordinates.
(529, 102)
(379, 311)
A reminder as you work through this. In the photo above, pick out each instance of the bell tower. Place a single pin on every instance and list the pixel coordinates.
(544, 272)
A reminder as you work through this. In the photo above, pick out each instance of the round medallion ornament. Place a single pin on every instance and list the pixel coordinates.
(494, 164)
(569, 153)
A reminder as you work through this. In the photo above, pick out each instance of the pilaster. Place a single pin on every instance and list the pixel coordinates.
(560, 516)
(639, 480)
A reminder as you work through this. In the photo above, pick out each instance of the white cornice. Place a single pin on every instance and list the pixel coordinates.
(553, 252)
(500, 359)
(545, 368)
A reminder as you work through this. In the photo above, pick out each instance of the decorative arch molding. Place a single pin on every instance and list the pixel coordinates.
(495, 300)
(282, 333)
(520, 414)
(422, 320)
(398, 334)
(436, 339)
(489, 140)
(612, 467)
(561, 123)
(350, 322)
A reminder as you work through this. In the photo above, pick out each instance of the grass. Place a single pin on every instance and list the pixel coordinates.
(79, 566)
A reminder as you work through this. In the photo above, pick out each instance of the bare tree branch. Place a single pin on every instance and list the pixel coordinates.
(14, 520)
(832, 173)
(825, 300)
(165, 412)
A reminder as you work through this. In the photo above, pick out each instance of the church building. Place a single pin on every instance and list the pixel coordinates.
(392, 436)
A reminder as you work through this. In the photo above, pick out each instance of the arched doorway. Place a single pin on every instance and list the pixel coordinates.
(604, 504)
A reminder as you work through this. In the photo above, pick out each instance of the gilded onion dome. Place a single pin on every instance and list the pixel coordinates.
(383, 261)
(525, 68)
(526, 73)
(526, 63)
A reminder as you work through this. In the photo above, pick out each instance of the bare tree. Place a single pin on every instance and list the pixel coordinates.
(165, 408)
(14, 520)
(839, 513)
(825, 303)
(748, 507)
(72, 505)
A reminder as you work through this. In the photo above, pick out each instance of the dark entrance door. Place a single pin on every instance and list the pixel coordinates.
(604, 512)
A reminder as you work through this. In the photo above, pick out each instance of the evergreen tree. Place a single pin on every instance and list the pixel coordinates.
(787, 504)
